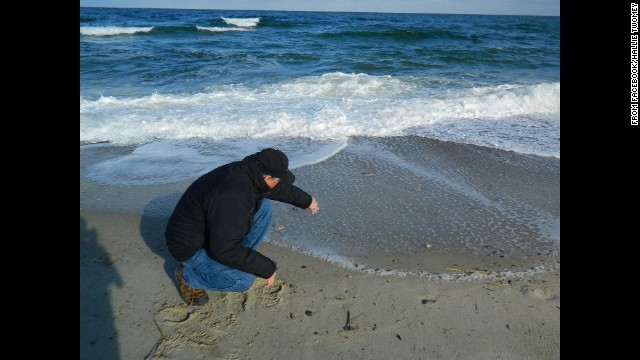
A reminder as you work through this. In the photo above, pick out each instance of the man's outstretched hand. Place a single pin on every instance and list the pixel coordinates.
(314, 206)
(270, 280)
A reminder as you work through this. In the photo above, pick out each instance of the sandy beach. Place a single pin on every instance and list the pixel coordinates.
(430, 140)
(500, 300)
(130, 309)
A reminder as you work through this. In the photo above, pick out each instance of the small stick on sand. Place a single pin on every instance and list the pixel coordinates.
(348, 325)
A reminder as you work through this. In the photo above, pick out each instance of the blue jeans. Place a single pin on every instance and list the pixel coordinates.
(202, 272)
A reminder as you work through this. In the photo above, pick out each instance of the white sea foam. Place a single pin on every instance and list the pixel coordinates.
(523, 118)
(169, 161)
(112, 30)
(221, 29)
(182, 136)
(244, 22)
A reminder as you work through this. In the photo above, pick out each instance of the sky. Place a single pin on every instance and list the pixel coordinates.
(485, 7)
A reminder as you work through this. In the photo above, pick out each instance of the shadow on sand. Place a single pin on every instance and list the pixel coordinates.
(98, 337)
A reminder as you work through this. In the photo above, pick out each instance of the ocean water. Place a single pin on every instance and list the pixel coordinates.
(175, 93)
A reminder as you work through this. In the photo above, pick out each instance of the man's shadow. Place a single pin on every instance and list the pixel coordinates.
(153, 223)
(98, 337)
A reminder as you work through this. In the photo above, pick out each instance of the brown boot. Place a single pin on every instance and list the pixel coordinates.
(189, 294)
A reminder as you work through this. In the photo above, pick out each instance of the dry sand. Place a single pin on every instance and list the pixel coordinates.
(417, 190)
(130, 308)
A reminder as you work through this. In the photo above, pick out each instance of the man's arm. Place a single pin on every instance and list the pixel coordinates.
(290, 194)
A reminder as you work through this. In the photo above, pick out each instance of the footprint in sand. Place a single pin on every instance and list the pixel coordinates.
(256, 297)
(173, 314)
(195, 327)
(201, 327)
(261, 297)
(538, 292)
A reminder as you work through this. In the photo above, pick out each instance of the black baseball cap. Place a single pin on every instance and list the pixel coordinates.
(275, 163)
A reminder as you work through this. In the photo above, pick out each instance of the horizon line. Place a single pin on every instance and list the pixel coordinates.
(330, 11)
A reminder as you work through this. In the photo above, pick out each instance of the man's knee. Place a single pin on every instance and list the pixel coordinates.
(266, 206)
(265, 211)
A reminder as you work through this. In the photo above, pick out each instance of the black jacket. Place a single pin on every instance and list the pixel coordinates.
(217, 211)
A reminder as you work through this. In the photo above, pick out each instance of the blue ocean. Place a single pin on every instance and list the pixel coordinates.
(179, 92)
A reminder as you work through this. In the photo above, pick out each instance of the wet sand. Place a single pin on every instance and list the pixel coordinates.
(436, 250)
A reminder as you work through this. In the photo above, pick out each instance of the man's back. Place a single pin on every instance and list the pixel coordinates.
(187, 228)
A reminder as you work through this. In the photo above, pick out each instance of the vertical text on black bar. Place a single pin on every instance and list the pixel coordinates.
(634, 64)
